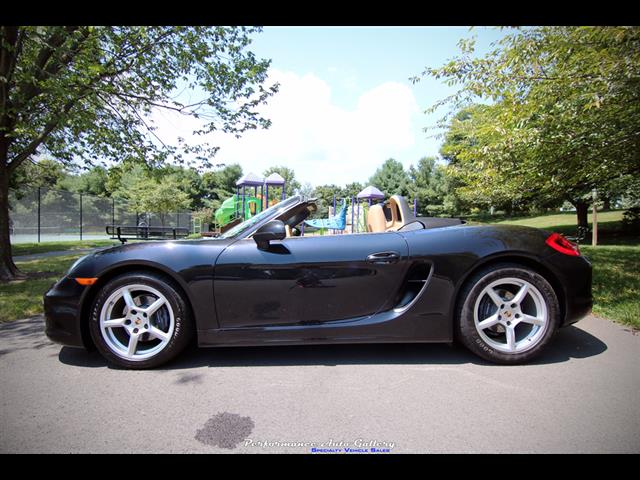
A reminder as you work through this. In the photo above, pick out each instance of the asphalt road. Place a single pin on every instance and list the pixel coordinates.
(582, 396)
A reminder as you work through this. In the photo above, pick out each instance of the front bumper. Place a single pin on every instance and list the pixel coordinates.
(62, 312)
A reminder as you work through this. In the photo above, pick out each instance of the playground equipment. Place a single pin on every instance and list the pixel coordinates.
(275, 180)
(368, 193)
(196, 225)
(242, 205)
(233, 205)
(248, 180)
(336, 222)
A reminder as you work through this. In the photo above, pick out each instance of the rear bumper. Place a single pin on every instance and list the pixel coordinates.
(62, 304)
(575, 275)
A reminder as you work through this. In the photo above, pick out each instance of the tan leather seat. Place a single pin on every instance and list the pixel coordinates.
(401, 213)
(376, 221)
(396, 217)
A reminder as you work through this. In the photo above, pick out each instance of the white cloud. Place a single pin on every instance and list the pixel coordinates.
(321, 141)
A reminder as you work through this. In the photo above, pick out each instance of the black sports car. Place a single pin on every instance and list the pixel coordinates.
(501, 290)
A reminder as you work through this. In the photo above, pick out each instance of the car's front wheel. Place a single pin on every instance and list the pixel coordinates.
(140, 320)
(508, 313)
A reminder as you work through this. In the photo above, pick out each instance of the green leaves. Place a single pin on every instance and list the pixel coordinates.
(87, 93)
(563, 114)
(391, 178)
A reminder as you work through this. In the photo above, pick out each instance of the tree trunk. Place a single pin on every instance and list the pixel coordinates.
(582, 210)
(8, 269)
(606, 203)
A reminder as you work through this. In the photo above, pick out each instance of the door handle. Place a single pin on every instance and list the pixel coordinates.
(384, 257)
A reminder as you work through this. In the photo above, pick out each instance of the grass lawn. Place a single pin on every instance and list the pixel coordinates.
(559, 220)
(23, 298)
(32, 248)
(616, 282)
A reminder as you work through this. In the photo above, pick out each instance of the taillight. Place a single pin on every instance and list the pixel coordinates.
(562, 245)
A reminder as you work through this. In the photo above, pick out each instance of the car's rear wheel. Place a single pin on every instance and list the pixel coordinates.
(508, 313)
(140, 320)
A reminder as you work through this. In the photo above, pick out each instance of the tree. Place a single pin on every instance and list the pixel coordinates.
(469, 180)
(220, 184)
(83, 93)
(391, 178)
(422, 182)
(351, 189)
(306, 190)
(159, 197)
(188, 181)
(45, 173)
(325, 194)
(92, 182)
(563, 113)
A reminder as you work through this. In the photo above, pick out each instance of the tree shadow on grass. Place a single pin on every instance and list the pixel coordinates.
(569, 343)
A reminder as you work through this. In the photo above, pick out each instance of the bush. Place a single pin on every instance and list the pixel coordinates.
(435, 210)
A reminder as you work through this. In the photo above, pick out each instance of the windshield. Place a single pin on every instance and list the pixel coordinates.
(270, 212)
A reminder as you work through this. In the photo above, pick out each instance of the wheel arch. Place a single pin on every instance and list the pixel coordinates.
(90, 295)
(523, 259)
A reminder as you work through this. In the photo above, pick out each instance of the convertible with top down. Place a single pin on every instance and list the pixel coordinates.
(501, 290)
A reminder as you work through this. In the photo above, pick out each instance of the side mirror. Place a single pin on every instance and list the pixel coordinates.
(273, 230)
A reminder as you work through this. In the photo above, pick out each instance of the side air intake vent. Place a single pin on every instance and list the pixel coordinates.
(413, 284)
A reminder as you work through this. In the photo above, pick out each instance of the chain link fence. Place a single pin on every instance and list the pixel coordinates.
(47, 215)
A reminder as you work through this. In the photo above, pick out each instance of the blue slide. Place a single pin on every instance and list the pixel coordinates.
(337, 222)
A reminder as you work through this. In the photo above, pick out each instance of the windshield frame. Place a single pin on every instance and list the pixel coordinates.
(249, 226)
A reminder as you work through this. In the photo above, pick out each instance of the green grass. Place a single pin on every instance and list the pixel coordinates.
(23, 298)
(616, 282)
(559, 220)
(32, 248)
(610, 228)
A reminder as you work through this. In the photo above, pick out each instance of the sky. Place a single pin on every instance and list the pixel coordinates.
(345, 103)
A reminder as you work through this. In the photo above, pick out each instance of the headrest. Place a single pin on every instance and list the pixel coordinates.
(376, 221)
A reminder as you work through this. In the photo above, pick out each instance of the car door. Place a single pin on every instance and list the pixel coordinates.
(312, 279)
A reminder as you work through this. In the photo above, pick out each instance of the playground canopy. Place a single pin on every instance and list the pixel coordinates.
(370, 193)
(274, 179)
(250, 180)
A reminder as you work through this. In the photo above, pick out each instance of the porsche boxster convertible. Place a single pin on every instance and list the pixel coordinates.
(501, 290)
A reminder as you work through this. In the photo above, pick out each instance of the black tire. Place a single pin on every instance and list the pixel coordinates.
(183, 331)
(467, 332)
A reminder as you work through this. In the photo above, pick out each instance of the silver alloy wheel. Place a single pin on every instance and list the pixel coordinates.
(136, 322)
(511, 315)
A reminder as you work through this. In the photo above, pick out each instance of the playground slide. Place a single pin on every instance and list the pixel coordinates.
(232, 206)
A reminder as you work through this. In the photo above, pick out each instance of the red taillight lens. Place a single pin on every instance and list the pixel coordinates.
(562, 245)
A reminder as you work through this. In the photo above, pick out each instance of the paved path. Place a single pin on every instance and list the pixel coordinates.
(582, 396)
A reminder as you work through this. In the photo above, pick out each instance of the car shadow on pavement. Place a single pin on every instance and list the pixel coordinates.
(569, 343)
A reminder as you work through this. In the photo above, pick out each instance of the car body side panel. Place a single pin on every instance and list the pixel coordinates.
(307, 279)
(424, 321)
(451, 252)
